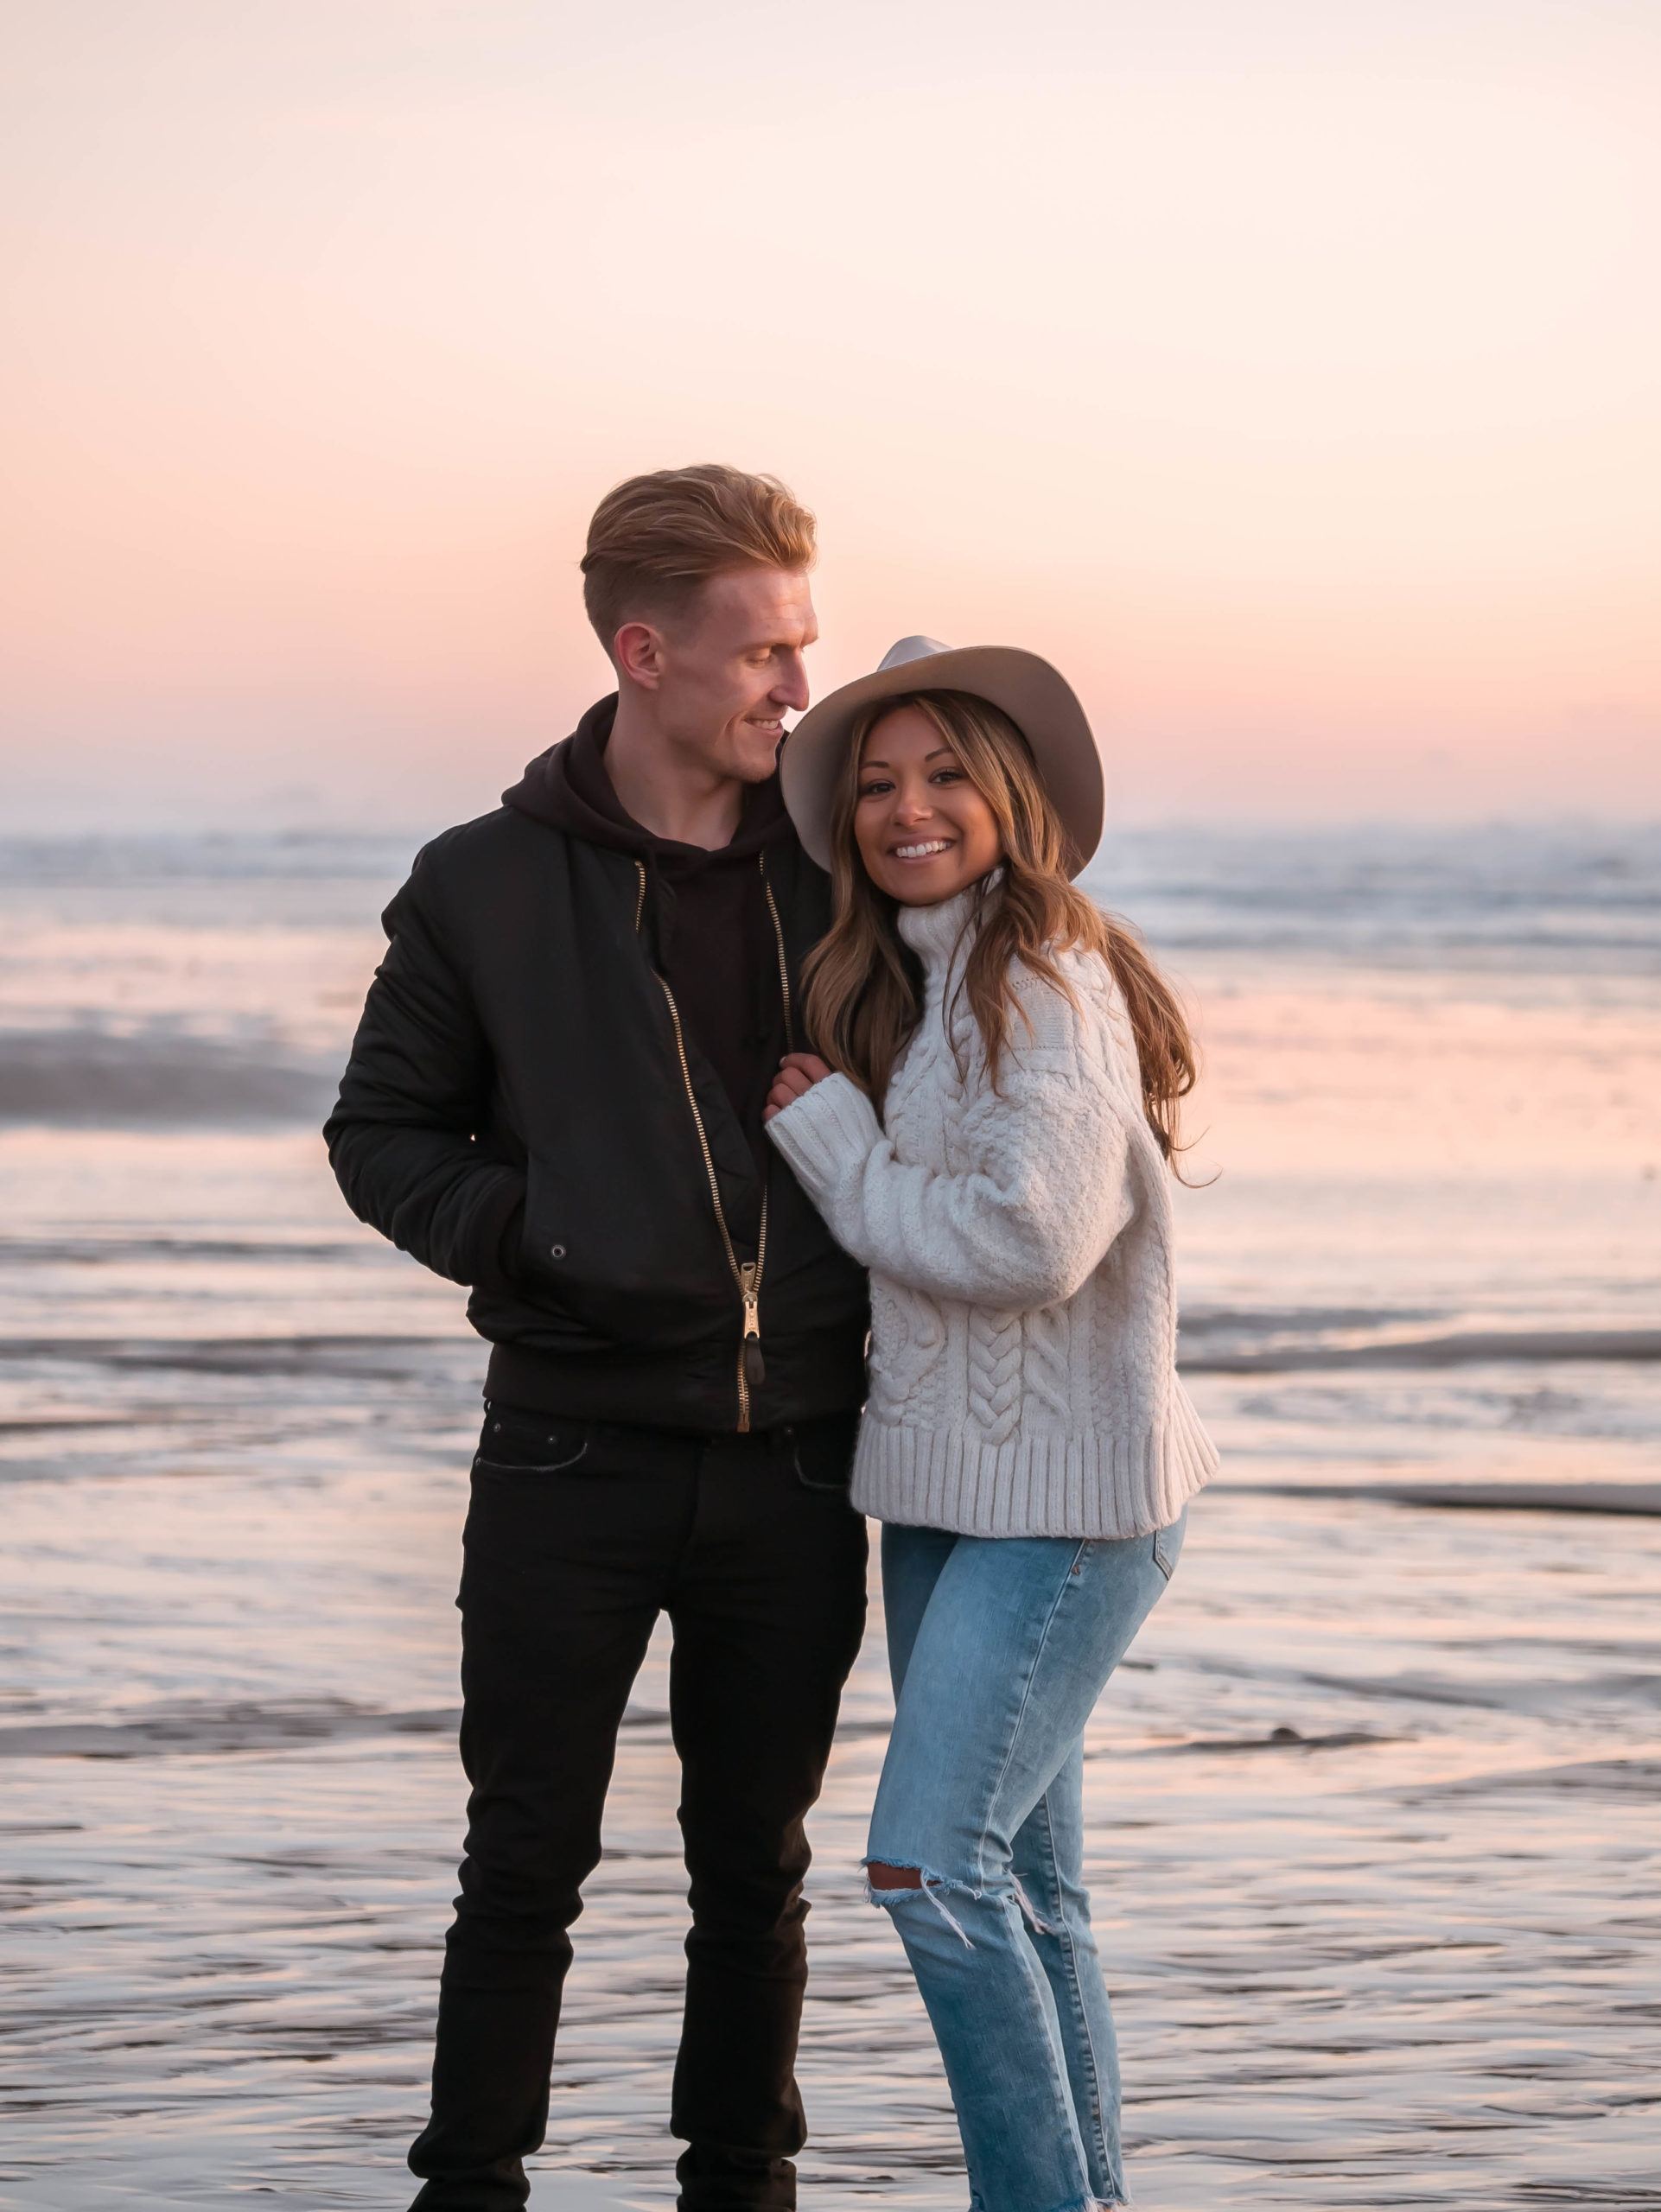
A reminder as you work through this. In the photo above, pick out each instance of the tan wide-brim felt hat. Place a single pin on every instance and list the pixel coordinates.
(1037, 698)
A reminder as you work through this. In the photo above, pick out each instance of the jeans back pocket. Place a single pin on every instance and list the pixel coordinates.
(1167, 1544)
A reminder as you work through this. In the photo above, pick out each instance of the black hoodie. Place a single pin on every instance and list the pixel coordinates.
(706, 912)
(526, 1072)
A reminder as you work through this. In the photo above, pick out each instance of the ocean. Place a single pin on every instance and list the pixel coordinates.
(1374, 1841)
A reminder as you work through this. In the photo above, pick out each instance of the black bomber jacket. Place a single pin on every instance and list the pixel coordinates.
(526, 1112)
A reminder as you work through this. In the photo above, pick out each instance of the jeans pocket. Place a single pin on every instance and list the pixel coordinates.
(529, 1444)
(822, 1452)
(1167, 1544)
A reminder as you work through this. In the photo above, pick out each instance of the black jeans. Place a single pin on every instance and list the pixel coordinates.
(579, 1533)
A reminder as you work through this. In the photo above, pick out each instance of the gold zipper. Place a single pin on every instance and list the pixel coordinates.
(779, 940)
(747, 1273)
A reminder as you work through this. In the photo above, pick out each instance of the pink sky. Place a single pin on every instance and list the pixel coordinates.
(1291, 374)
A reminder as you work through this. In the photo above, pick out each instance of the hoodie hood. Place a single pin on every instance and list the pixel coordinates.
(568, 788)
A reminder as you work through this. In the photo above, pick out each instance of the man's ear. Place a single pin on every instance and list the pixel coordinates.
(638, 651)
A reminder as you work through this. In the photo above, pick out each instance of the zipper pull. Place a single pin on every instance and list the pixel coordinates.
(755, 1372)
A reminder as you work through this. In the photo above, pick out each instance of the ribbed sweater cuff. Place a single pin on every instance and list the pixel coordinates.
(829, 1131)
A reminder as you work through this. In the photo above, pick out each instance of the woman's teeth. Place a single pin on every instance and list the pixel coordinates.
(921, 852)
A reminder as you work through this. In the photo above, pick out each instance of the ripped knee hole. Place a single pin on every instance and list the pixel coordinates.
(883, 1877)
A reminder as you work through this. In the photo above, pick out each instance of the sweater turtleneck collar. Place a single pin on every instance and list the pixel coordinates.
(934, 933)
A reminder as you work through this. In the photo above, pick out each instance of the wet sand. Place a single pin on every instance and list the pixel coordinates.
(1374, 1832)
(1374, 1851)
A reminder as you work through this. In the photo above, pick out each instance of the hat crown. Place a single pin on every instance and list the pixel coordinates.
(1037, 698)
(910, 649)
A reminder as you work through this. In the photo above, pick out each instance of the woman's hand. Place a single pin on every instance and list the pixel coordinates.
(798, 1073)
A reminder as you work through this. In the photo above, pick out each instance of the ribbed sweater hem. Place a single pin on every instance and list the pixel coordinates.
(1046, 1485)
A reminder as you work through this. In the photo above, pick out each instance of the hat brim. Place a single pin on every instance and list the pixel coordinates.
(1037, 698)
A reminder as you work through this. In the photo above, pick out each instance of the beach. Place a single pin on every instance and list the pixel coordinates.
(1373, 1840)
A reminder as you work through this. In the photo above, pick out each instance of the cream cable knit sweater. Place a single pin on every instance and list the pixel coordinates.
(1023, 1314)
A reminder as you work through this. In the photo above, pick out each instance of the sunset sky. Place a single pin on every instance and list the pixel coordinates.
(1289, 373)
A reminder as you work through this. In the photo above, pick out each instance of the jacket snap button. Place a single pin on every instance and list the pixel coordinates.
(557, 1251)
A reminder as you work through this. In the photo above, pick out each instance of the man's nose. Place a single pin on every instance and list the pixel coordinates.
(791, 689)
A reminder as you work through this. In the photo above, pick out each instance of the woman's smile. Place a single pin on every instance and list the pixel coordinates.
(924, 831)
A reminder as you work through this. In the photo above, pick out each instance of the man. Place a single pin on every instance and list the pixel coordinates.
(555, 1096)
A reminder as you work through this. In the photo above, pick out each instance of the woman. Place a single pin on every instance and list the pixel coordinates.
(993, 1144)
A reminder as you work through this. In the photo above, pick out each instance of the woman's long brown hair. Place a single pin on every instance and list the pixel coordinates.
(864, 984)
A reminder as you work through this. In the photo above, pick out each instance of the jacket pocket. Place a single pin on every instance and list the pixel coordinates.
(531, 1444)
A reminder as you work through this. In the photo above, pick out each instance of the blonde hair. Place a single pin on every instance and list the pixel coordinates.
(655, 540)
(864, 996)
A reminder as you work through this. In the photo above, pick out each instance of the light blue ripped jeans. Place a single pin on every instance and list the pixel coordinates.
(999, 1648)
